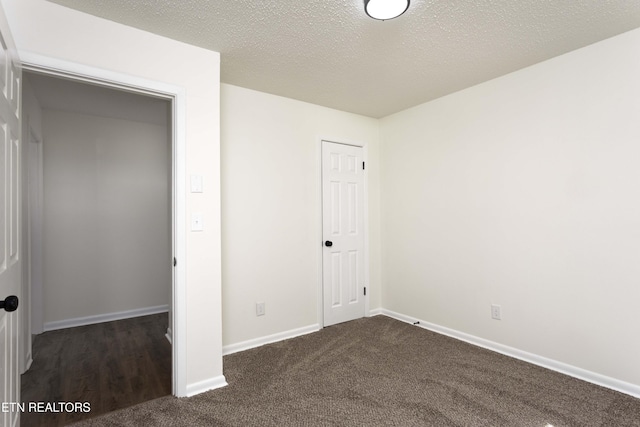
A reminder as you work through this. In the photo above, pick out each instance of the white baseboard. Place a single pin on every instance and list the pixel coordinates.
(169, 335)
(257, 342)
(107, 317)
(554, 365)
(206, 385)
(375, 312)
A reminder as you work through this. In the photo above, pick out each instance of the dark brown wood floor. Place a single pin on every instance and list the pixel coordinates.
(111, 365)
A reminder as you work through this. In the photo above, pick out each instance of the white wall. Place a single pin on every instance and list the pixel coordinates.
(271, 211)
(523, 192)
(107, 241)
(47, 29)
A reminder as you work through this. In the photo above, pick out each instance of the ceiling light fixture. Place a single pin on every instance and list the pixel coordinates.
(385, 9)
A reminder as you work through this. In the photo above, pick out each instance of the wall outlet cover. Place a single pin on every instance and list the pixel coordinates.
(496, 312)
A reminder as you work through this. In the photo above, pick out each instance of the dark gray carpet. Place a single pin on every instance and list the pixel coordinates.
(381, 372)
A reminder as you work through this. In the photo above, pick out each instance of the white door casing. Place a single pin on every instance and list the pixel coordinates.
(10, 267)
(32, 189)
(343, 225)
(177, 96)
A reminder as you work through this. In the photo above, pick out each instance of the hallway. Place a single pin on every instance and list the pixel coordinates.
(110, 365)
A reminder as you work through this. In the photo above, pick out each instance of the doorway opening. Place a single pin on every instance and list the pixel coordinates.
(101, 162)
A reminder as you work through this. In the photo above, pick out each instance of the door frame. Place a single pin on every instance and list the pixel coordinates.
(31, 285)
(365, 158)
(176, 95)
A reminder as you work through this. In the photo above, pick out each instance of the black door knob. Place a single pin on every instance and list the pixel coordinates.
(10, 303)
(328, 243)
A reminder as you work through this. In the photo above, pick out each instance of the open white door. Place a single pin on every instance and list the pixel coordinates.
(10, 270)
(343, 278)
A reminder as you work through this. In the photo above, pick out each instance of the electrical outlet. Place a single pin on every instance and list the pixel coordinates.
(495, 312)
(259, 309)
(196, 222)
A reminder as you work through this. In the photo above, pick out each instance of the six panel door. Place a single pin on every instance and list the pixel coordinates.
(343, 232)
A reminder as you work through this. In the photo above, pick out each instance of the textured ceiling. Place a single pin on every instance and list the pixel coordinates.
(328, 52)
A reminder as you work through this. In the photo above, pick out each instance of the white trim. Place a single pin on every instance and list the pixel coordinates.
(205, 385)
(177, 95)
(179, 291)
(169, 335)
(79, 72)
(319, 285)
(554, 365)
(257, 342)
(28, 363)
(365, 158)
(376, 312)
(107, 317)
(34, 234)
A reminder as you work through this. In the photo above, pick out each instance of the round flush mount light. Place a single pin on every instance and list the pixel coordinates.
(385, 9)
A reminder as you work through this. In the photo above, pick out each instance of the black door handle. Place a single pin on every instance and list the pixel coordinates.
(10, 303)
(328, 243)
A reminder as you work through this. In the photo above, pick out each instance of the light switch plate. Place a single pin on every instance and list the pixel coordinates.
(196, 183)
(196, 222)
